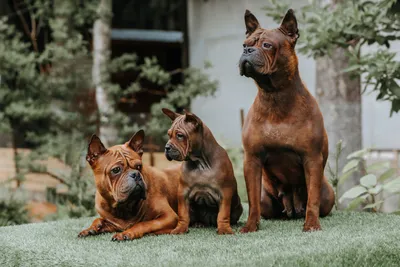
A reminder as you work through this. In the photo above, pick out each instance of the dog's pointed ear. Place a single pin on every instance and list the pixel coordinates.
(193, 119)
(172, 115)
(136, 142)
(95, 149)
(251, 22)
(289, 25)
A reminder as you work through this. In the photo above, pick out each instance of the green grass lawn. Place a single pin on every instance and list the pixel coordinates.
(347, 239)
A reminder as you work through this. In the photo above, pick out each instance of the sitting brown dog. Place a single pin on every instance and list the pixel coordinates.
(285, 142)
(207, 193)
(131, 197)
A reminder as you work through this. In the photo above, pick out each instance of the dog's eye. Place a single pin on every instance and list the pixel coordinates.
(139, 167)
(116, 170)
(267, 45)
(179, 136)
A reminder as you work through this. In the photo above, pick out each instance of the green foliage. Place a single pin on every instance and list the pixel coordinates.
(79, 199)
(353, 25)
(41, 92)
(334, 175)
(12, 208)
(236, 156)
(377, 178)
(195, 83)
(23, 99)
(44, 94)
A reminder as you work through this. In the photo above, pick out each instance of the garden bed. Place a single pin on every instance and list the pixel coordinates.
(347, 239)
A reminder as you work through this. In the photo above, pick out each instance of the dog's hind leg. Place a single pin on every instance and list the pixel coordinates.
(270, 206)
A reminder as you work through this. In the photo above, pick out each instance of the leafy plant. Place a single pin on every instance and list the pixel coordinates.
(47, 96)
(12, 208)
(79, 198)
(334, 176)
(174, 95)
(236, 156)
(377, 178)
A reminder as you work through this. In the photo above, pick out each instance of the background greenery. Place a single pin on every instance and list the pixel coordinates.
(46, 93)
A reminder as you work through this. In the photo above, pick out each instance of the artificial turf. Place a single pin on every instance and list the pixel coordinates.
(347, 239)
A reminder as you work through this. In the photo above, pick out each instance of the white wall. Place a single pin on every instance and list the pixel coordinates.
(216, 34)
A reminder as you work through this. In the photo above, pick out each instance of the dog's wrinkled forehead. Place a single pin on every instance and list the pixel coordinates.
(180, 125)
(120, 154)
(274, 36)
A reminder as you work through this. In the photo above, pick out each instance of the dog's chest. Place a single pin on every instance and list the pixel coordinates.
(264, 134)
(199, 177)
(200, 181)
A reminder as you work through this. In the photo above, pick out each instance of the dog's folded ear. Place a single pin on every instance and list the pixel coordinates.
(136, 142)
(95, 149)
(289, 25)
(193, 119)
(172, 115)
(251, 22)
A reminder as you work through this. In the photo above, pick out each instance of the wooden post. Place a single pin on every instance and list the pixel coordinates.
(241, 118)
(151, 146)
(396, 159)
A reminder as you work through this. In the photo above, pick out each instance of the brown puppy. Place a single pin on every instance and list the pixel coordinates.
(285, 142)
(131, 197)
(207, 193)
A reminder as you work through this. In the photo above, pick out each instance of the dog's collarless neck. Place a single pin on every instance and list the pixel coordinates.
(265, 83)
(201, 157)
(131, 211)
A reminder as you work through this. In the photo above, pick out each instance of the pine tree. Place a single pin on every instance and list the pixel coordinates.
(48, 98)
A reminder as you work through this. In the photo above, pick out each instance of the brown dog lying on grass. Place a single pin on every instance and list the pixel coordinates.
(131, 198)
(207, 192)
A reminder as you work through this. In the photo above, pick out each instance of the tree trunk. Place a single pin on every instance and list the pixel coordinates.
(339, 98)
(18, 174)
(101, 56)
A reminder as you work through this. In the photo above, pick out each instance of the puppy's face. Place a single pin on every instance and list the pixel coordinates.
(118, 170)
(265, 50)
(183, 135)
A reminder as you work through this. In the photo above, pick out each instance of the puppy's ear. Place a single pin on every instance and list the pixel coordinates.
(136, 142)
(251, 22)
(95, 149)
(193, 119)
(172, 115)
(289, 25)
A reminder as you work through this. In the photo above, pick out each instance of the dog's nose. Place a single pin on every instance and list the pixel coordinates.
(136, 176)
(248, 50)
(167, 147)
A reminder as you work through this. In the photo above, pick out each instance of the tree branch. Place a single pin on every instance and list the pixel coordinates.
(31, 34)
(61, 180)
(21, 17)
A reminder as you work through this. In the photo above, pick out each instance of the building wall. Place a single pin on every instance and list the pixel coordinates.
(216, 34)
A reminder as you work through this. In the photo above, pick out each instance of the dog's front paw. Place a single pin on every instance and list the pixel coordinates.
(87, 232)
(95, 229)
(126, 236)
(249, 228)
(312, 227)
(180, 230)
(90, 231)
(225, 231)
